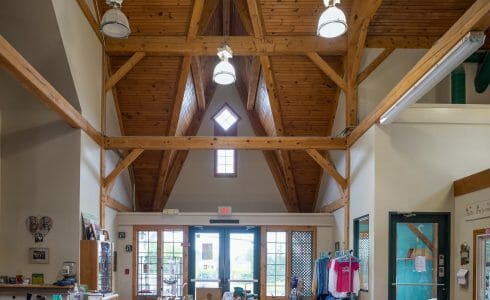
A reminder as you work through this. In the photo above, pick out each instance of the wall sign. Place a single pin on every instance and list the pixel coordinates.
(478, 210)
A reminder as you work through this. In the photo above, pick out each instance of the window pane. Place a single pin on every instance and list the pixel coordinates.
(226, 118)
(302, 258)
(276, 264)
(225, 161)
(147, 263)
(173, 264)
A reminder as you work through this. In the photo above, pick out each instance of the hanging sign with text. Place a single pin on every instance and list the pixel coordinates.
(478, 210)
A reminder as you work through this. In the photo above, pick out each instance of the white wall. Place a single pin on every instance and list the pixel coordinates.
(40, 177)
(253, 190)
(463, 233)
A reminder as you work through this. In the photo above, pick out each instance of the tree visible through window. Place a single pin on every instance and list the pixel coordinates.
(226, 121)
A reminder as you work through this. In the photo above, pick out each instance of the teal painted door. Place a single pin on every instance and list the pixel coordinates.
(419, 256)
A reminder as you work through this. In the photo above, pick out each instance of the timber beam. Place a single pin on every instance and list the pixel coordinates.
(241, 45)
(328, 167)
(123, 165)
(476, 17)
(223, 142)
(28, 76)
(124, 69)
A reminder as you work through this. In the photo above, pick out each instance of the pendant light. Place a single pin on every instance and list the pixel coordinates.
(224, 72)
(114, 23)
(333, 22)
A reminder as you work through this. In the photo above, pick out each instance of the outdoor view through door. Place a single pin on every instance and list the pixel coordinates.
(224, 258)
(419, 256)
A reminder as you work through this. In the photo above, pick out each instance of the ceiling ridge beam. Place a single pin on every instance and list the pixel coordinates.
(327, 69)
(124, 69)
(121, 166)
(241, 45)
(373, 65)
(31, 79)
(94, 24)
(328, 166)
(470, 20)
(172, 129)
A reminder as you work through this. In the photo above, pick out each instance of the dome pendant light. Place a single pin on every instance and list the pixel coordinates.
(224, 72)
(332, 22)
(114, 23)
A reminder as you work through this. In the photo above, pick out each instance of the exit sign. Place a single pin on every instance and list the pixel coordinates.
(224, 210)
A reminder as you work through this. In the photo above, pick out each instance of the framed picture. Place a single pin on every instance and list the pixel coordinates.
(38, 255)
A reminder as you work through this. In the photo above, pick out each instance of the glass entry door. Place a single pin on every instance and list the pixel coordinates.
(224, 258)
(419, 256)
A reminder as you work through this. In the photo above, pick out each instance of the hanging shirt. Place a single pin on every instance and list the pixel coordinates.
(344, 278)
(321, 270)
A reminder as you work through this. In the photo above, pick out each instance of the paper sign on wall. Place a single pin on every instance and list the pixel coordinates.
(477, 210)
(207, 251)
(420, 264)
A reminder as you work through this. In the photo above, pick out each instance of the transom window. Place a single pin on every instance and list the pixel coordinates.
(226, 118)
(225, 124)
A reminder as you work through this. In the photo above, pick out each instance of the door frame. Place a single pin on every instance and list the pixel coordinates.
(444, 237)
(224, 253)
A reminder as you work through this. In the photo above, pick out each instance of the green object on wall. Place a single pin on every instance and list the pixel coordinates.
(482, 79)
(458, 86)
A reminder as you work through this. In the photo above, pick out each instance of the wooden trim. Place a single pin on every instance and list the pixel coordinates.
(226, 142)
(135, 263)
(373, 65)
(121, 166)
(26, 74)
(347, 201)
(333, 206)
(117, 206)
(198, 83)
(327, 166)
(195, 19)
(241, 45)
(253, 77)
(124, 69)
(327, 69)
(472, 183)
(263, 262)
(470, 20)
(91, 19)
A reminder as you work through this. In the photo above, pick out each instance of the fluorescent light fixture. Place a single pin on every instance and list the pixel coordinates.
(458, 54)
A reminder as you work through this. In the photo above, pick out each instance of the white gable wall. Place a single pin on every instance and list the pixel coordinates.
(253, 190)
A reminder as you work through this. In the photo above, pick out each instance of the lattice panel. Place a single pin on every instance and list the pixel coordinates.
(302, 258)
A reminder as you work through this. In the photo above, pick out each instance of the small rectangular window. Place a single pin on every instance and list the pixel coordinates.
(225, 163)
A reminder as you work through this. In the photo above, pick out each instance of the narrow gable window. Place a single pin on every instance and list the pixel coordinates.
(225, 124)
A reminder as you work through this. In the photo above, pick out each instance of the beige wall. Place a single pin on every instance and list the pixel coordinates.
(463, 233)
(253, 190)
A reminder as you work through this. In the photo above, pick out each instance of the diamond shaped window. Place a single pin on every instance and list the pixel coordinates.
(226, 118)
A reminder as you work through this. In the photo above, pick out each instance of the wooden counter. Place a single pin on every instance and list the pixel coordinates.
(22, 289)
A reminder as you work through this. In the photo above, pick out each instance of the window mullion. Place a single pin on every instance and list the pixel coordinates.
(159, 262)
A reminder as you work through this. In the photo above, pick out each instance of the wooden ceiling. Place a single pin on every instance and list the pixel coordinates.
(285, 94)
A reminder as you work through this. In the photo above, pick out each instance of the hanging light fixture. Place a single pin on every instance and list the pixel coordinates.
(224, 72)
(114, 23)
(332, 22)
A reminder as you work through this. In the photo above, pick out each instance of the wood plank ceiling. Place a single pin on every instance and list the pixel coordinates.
(160, 95)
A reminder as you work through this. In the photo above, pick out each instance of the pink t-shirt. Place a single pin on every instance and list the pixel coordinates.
(345, 275)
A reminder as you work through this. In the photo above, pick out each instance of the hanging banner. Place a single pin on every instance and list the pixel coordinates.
(478, 210)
